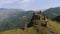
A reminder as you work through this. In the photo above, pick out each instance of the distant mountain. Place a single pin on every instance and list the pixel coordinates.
(6, 13)
(14, 18)
(52, 12)
(57, 18)
(2, 9)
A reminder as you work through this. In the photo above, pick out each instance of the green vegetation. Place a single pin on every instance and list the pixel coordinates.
(15, 22)
(15, 19)
(55, 25)
(19, 31)
(52, 12)
(32, 30)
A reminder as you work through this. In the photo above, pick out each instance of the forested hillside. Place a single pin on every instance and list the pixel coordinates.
(13, 18)
(52, 12)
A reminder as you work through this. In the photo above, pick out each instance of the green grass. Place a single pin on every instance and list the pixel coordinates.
(32, 30)
(55, 25)
(19, 31)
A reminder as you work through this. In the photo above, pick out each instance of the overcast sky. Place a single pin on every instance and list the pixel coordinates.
(29, 4)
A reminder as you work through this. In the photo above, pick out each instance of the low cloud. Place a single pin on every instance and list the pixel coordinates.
(3, 2)
(23, 4)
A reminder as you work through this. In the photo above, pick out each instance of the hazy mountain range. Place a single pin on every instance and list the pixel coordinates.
(13, 18)
(52, 12)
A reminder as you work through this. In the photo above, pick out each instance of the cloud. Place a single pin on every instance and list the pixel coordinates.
(26, 4)
(23, 4)
(25, 1)
(3, 2)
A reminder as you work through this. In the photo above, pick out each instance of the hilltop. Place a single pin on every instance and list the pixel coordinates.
(15, 24)
(31, 30)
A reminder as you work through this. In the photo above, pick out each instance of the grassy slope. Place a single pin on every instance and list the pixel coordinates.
(55, 25)
(19, 31)
(31, 30)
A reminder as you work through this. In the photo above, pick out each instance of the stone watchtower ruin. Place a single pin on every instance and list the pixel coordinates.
(38, 21)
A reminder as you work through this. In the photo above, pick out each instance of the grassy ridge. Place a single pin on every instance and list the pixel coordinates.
(55, 25)
(19, 31)
(32, 29)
